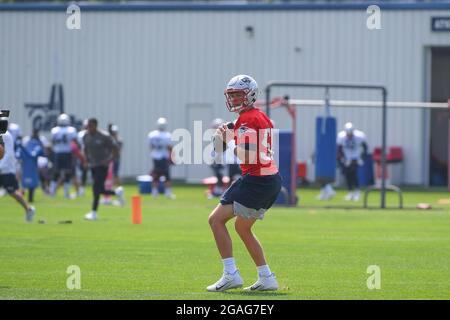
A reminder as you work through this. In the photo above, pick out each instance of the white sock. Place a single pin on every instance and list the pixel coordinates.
(264, 271)
(66, 189)
(155, 191)
(229, 265)
(94, 213)
(53, 187)
(168, 191)
(329, 188)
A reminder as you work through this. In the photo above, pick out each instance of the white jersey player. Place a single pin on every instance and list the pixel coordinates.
(352, 146)
(352, 142)
(220, 159)
(80, 166)
(8, 178)
(160, 144)
(15, 131)
(81, 134)
(62, 136)
(16, 134)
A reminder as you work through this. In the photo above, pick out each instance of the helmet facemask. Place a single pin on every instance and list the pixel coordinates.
(349, 129)
(237, 100)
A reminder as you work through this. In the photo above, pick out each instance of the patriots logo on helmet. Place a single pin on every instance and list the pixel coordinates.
(245, 80)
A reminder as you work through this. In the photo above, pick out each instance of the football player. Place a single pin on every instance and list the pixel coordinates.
(160, 143)
(31, 148)
(352, 148)
(221, 159)
(250, 196)
(100, 150)
(62, 136)
(8, 178)
(16, 133)
(114, 132)
(217, 166)
(82, 168)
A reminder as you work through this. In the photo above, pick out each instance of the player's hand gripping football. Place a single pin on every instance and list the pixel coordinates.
(222, 136)
(225, 131)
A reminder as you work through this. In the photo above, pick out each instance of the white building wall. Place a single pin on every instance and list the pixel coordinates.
(132, 67)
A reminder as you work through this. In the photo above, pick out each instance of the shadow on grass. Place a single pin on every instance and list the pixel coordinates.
(256, 293)
(369, 208)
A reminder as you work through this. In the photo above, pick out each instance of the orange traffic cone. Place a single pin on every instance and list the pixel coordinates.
(136, 215)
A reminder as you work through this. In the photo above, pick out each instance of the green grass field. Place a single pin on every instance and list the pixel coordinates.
(317, 253)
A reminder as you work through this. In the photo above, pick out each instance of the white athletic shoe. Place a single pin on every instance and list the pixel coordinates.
(106, 201)
(92, 216)
(120, 197)
(81, 192)
(326, 193)
(330, 191)
(264, 284)
(228, 281)
(170, 196)
(70, 196)
(30, 214)
(322, 195)
(356, 195)
(349, 196)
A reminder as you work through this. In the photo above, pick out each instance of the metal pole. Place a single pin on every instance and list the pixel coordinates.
(448, 148)
(293, 156)
(383, 151)
(268, 101)
(327, 102)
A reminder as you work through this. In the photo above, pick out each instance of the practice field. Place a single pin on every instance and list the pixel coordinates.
(316, 253)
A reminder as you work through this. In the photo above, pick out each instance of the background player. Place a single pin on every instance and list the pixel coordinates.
(160, 151)
(114, 133)
(249, 197)
(352, 148)
(228, 159)
(62, 136)
(16, 133)
(100, 150)
(31, 148)
(8, 178)
(217, 167)
(82, 167)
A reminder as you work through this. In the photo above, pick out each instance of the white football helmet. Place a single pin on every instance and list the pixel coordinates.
(114, 129)
(349, 128)
(216, 123)
(85, 123)
(248, 88)
(63, 120)
(161, 124)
